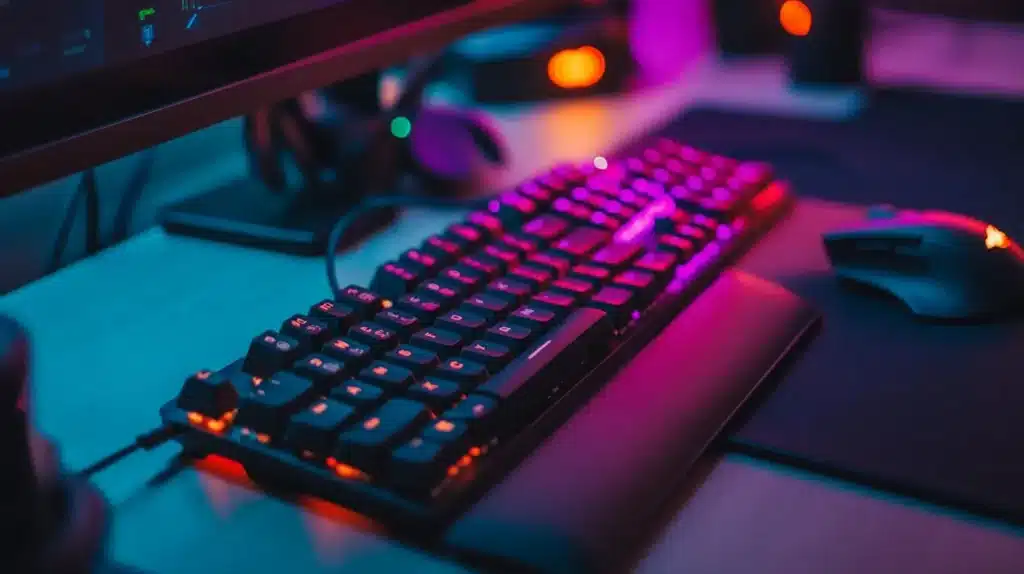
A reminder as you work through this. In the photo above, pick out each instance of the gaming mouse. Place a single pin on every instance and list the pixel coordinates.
(941, 265)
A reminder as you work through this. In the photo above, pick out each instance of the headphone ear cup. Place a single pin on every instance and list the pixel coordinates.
(443, 144)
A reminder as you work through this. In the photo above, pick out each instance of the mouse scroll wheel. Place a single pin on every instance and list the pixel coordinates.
(882, 212)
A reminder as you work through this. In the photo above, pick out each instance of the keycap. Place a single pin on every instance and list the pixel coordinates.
(591, 273)
(616, 256)
(438, 393)
(536, 277)
(657, 262)
(394, 279)
(387, 376)
(462, 371)
(617, 302)
(359, 394)
(475, 410)
(417, 360)
(486, 265)
(491, 355)
(640, 282)
(268, 406)
(398, 321)
(511, 290)
(525, 386)
(515, 337)
(558, 303)
(512, 209)
(418, 466)
(682, 247)
(444, 343)
(488, 306)
(423, 262)
(578, 288)
(270, 353)
(337, 317)
(208, 393)
(554, 263)
(535, 318)
(444, 291)
(697, 236)
(313, 431)
(444, 250)
(468, 278)
(366, 445)
(446, 431)
(503, 253)
(524, 244)
(540, 194)
(486, 222)
(354, 354)
(365, 303)
(582, 241)
(467, 325)
(467, 236)
(309, 332)
(323, 371)
(377, 337)
(422, 307)
(547, 227)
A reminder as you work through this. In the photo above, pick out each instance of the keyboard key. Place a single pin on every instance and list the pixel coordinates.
(487, 306)
(399, 321)
(697, 236)
(362, 396)
(524, 244)
(438, 393)
(553, 262)
(547, 227)
(541, 195)
(491, 355)
(468, 278)
(682, 247)
(424, 263)
(365, 303)
(468, 325)
(534, 318)
(582, 242)
(387, 376)
(313, 431)
(591, 273)
(418, 466)
(337, 317)
(537, 277)
(378, 337)
(466, 373)
(394, 279)
(618, 302)
(617, 256)
(558, 303)
(444, 343)
(367, 444)
(467, 236)
(270, 353)
(354, 354)
(476, 410)
(417, 360)
(640, 282)
(578, 288)
(446, 432)
(444, 250)
(268, 406)
(209, 394)
(444, 291)
(573, 210)
(511, 290)
(657, 262)
(486, 265)
(508, 256)
(512, 209)
(515, 337)
(423, 308)
(310, 333)
(486, 222)
(524, 388)
(324, 372)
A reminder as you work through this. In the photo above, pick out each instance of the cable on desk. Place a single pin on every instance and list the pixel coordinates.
(88, 193)
(132, 196)
(382, 202)
(147, 441)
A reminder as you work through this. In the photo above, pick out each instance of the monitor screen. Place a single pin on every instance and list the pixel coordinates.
(86, 81)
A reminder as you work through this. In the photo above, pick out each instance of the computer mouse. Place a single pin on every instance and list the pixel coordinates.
(941, 265)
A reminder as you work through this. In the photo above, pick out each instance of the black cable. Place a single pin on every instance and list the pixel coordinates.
(88, 193)
(132, 195)
(381, 202)
(147, 441)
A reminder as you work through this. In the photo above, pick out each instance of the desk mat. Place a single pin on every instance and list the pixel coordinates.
(934, 411)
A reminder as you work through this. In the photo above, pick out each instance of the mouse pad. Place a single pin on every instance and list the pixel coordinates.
(935, 411)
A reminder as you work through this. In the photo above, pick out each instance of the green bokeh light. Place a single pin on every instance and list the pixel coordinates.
(401, 127)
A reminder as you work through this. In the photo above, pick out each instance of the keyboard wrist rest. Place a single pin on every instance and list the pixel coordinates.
(570, 506)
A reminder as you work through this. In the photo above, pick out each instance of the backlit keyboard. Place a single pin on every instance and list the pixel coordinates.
(408, 398)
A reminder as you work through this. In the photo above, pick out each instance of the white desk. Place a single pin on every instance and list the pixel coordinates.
(115, 335)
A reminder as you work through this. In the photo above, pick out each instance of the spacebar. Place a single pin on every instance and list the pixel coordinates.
(526, 385)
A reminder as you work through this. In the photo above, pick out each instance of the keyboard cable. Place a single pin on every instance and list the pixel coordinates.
(87, 191)
(146, 441)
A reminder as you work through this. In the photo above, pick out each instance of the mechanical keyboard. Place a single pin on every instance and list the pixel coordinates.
(409, 399)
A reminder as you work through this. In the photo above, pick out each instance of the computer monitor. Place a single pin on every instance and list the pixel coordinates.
(83, 82)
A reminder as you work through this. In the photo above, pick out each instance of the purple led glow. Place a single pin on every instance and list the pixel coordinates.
(708, 173)
(562, 204)
(695, 183)
(613, 207)
(599, 218)
(627, 195)
(724, 232)
(691, 155)
(494, 206)
(580, 194)
(652, 156)
(721, 194)
(635, 315)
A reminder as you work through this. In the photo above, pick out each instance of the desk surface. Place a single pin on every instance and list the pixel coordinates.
(115, 335)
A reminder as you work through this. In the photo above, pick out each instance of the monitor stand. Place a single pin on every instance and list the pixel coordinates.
(246, 212)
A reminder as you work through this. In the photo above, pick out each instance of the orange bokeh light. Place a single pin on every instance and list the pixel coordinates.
(795, 17)
(576, 68)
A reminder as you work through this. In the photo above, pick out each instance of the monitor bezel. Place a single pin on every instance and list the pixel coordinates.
(46, 135)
